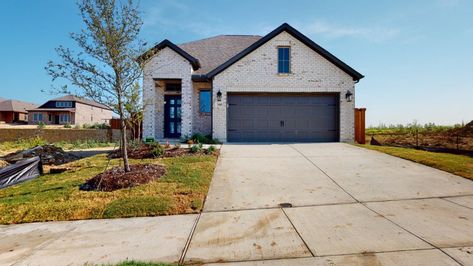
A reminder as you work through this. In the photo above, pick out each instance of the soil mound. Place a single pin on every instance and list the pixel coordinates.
(116, 178)
(49, 154)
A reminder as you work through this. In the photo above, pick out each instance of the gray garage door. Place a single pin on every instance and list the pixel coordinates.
(282, 118)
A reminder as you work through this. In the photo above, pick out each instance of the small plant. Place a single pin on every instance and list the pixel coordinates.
(200, 138)
(41, 125)
(196, 148)
(210, 150)
(156, 149)
(177, 145)
(67, 125)
(167, 145)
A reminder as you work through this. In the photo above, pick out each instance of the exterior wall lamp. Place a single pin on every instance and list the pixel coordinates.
(219, 96)
(349, 96)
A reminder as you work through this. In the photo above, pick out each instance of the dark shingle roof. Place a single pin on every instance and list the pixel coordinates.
(214, 51)
(16, 106)
(73, 98)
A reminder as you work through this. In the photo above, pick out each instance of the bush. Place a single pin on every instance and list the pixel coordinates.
(200, 138)
(96, 126)
(156, 149)
(41, 125)
(210, 150)
(196, 148)
(67, 125)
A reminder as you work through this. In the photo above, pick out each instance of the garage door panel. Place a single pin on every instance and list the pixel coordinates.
(280, 118)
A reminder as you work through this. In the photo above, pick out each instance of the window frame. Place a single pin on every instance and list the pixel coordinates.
(62, 118)
(288, 60)
(63, 104)
(37, 117)
(210, 101)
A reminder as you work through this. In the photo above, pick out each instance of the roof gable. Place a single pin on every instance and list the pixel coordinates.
(299, 36)
(166, 43)
(73, 98)
(214, 51)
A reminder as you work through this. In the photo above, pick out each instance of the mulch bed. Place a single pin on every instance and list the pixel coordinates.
(116, 178)
(145, 152)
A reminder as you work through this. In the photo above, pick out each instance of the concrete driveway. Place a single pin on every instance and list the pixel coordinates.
(350, 206)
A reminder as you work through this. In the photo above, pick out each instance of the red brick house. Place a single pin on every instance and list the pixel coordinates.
(12, 111)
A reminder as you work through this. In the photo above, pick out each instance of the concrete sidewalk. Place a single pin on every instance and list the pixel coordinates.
(351, 206)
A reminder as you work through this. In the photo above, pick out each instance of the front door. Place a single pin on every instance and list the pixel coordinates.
(56, 119)
(172, 116)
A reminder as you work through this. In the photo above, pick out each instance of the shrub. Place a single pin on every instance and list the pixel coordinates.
(96, 126)
(41, 125)
(200, 138)
(210, 150)
(67, 125)
(177, 145)
(196, 148)
(156, 149)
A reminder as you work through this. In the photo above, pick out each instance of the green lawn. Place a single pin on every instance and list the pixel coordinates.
(456, 164)
(56, 197)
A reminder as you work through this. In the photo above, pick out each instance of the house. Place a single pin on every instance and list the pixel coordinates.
(14, 111)
(72, 110)
(276, 88)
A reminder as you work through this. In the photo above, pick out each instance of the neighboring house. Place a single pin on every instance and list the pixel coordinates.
(72, 110)
(13, 111)
(276, 88)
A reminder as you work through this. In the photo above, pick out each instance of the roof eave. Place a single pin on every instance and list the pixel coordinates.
(166, 43)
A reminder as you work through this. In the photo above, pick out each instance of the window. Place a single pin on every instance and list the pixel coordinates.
(37, 117)
(63, 104)
(284, 62)
(63, 118)
(205, 101)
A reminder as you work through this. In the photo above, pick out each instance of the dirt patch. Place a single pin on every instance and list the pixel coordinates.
(116, 178)
(49, 154)
(146, 152)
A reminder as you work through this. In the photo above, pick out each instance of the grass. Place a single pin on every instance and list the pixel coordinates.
(56, 197)
(22, 144)
(456, 164)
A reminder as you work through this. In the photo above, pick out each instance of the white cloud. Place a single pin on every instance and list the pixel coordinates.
(331, 30)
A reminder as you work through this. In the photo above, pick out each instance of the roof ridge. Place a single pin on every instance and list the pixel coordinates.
(220, 35)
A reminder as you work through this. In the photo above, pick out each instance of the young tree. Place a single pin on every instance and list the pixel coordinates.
(105, 70)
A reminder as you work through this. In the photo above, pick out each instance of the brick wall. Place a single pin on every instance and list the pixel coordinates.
(257, 72)
(202, 122)
(87, 114)
(57, 135)
(166, 64)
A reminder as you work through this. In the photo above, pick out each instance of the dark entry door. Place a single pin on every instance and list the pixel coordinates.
(172, 116)
(56, 119)
(282, 118)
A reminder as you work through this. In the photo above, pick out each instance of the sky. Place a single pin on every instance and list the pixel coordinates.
(417, 56)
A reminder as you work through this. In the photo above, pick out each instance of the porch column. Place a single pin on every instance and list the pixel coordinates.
(186, 106)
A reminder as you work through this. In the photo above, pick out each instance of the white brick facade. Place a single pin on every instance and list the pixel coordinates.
(166, 64)
(257, 72)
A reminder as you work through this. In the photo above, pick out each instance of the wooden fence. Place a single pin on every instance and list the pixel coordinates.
(360, 125)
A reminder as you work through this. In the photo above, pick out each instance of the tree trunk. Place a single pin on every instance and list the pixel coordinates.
(123, 140)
